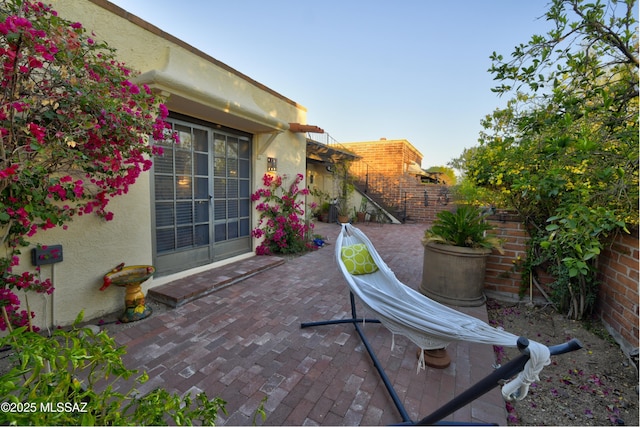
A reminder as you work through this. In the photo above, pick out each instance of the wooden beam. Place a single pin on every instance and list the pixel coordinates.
(299, 128)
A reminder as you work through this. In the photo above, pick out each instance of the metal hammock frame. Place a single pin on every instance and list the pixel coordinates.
(494, 379)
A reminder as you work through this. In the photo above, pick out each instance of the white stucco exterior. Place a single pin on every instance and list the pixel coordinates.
(195, 85)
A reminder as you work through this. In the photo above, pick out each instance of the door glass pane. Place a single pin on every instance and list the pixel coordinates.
(220, 210)
(220, 167)
(164, 163)
(183, 187)
(183, 162)
(184, 237)
(200, 140)
(220, 232)
(164, 187)
(244, 188)
(201, 190)
(244, 227)
(165, 240)
(202, 212)
(232, 209)
(232, 148)
(202, 234)
(164, 214)
(232, 229)
(244, 207)
(202, 164)
(232, 188)
(244, 149)
(184, 214)
(219, 146)
(243, 169)
(219, 188)
(184, 133)
(232, 168)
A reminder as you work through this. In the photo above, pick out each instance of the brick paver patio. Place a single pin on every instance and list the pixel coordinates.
(243, 342)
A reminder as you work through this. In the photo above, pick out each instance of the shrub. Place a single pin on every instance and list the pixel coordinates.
(73, 378)
(281, 220)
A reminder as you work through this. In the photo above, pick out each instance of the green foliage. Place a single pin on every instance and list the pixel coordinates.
(465, 227)
(281, 220)
(573, 241)
(564, 151)
(84, 372)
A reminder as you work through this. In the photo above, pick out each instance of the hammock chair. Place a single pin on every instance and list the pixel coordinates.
(429, 324)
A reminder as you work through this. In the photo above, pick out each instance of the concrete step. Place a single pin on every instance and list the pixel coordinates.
(181, 291)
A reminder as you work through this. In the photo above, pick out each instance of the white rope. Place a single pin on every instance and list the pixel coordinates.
(427, 323)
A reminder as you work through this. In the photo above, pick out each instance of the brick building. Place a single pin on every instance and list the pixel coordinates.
(390, 157)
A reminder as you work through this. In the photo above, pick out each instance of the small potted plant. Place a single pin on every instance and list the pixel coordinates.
(323, 212)
(456, 248)
(343, 210)
(361, 215)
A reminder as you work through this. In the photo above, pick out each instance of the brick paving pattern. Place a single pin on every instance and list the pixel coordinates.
(243, 343)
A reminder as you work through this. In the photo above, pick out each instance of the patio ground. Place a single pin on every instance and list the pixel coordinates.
(244, 342)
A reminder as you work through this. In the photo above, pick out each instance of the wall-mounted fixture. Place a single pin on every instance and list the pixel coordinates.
(272, 164)
(443, 196)
(50, 254)
(426, 198)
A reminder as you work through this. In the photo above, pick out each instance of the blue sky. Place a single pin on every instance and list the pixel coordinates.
(408, 69)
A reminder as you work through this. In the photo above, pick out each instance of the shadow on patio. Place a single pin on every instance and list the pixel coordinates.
(244, 342)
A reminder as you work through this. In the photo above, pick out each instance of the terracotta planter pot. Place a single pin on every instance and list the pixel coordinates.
(454, 275)
(343, 219)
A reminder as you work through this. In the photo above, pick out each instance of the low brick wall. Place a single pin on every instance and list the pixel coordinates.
(618, 300)
(503, 277)
(617, 303)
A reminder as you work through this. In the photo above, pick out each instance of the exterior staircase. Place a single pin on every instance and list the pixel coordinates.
(386, 193)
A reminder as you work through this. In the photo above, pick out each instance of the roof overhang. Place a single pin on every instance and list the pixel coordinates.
(200, 89)
(415, 169)
(324, 153)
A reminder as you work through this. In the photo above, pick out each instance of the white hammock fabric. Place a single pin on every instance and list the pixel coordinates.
(425, 322)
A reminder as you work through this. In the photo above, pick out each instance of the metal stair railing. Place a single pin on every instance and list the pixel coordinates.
(384, 190)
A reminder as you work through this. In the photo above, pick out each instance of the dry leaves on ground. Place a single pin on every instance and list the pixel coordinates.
(597, 385)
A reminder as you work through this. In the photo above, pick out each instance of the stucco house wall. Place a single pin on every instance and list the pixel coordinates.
(196, 85)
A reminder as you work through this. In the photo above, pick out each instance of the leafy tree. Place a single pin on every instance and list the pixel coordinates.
(74, 132)
(564, 151)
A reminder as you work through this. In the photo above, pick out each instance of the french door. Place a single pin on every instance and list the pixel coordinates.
(201, 194)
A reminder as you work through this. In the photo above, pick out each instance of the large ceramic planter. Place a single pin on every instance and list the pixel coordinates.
(454, 275)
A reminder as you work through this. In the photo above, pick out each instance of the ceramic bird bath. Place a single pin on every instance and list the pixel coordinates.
(131, 278)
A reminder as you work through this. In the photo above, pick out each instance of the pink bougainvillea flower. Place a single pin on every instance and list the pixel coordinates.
(49, 140)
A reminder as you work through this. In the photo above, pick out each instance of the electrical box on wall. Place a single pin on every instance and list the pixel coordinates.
(49, 254)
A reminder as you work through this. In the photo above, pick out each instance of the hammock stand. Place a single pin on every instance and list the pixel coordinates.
(482, 387)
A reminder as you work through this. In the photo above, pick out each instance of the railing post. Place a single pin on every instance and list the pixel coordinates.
(366, 180)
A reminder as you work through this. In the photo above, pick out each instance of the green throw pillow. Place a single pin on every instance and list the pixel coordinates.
(357, 259)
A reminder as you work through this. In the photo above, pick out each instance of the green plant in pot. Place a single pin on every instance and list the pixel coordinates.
(361, 214)
(456, 248)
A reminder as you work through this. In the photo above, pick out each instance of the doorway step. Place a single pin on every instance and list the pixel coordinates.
(181, 291)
